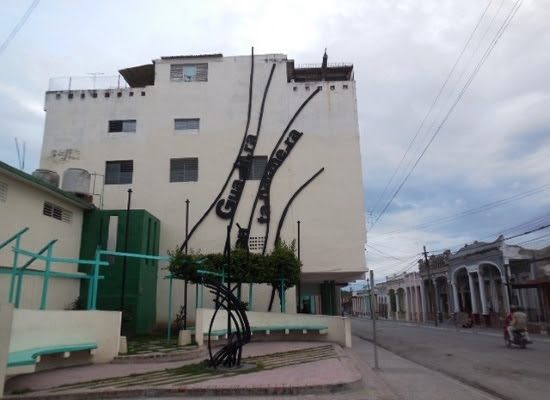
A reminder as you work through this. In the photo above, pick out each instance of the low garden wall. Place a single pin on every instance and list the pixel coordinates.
(317, 327)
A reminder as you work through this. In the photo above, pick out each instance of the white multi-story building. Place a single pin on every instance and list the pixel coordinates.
(187, 127)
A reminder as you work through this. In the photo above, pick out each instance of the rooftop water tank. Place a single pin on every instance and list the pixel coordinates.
(46, 175)
(76, 180)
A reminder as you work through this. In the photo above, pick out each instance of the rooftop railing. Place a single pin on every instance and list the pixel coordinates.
(330, 65)
(94, 81)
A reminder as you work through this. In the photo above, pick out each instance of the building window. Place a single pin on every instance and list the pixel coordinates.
(256, 243)
(119, 172)
(119, 125)
(3, 191)
(189, 72)
(186, 124)
(256, 171)
(184, 169)
(51, 210)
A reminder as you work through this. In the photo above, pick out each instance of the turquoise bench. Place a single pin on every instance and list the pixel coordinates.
(215, 334)
(32, 356)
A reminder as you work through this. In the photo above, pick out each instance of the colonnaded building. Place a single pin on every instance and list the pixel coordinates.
(204, 142)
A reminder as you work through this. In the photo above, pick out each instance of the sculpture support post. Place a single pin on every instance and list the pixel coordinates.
(185, 282)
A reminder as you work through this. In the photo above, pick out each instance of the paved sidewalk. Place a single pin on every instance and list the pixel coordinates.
(307, 370)
(292, 368)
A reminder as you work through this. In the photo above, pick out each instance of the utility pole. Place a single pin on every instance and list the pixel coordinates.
(124, 260)
(373, 316)
(430, 284)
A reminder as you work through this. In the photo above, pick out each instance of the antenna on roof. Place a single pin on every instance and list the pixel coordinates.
(20, 155)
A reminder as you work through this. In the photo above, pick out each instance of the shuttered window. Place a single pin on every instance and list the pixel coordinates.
(256, 169)
(118, 125)
(119, 172)
(189, 72)
(3, 191)
(186, 124)
(54, 211)
(184, 169)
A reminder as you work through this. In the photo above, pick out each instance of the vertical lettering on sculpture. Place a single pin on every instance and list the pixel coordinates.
(225, 209)
(238, 185)
(292, 138)
(281, 155)
(264, 214)
(250, 143)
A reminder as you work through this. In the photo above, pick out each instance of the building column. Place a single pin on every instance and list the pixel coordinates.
(455, 296)
(419, 302)
(407, 318)
(482, 294)
(472, 293)
(423, 300)
(397, 305)
(437, 300)
(413, 303)
(494, 295)
(450, 298)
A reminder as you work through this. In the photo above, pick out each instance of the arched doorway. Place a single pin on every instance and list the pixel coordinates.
(463, 290)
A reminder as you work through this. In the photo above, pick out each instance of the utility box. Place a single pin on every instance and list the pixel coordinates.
(106, 229)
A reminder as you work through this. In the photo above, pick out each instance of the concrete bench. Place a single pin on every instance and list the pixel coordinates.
(276, 326)
(32, 356)
(215, 334)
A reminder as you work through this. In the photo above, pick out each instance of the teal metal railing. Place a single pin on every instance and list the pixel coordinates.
(17, 273)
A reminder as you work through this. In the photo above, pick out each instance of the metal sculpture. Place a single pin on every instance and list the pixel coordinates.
(238, 328)
(238, 333)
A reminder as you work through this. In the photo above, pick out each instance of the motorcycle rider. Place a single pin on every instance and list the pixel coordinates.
(517, 322)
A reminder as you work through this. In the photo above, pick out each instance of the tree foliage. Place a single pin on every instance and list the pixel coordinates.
(246, 267)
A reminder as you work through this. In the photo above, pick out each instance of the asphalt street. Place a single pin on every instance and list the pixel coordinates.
(476, 358)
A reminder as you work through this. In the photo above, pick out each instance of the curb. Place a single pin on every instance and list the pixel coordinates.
(177, 392)
(352, 382)
(161, 357)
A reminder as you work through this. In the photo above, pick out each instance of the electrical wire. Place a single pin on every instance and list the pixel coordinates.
(477, 210)
(432, 106)
(18, 26)
(488, 51)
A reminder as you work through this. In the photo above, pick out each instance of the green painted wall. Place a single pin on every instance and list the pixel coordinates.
(141, 274)
(329, 299)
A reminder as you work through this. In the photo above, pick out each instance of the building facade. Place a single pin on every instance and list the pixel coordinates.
(204, 142)
(54, 221)
(481, 280)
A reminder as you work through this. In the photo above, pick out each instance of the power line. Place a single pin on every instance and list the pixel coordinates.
(431, 107)
(488, 51)
(484, 207)
(544, 220)
(18, 26)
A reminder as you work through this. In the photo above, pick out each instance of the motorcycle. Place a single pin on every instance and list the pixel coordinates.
(519, 338)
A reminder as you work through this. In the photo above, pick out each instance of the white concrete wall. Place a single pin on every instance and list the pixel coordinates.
(6, 318)
(330, 209)
(339, 328)
(24, 208)
(36, 328)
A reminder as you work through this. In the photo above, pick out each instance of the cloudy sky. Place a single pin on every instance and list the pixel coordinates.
(453, 96)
